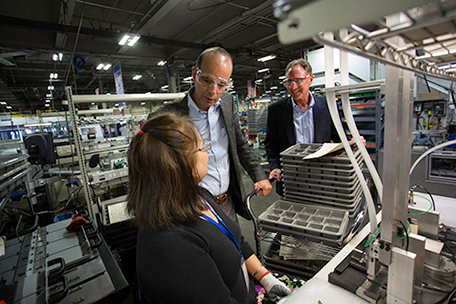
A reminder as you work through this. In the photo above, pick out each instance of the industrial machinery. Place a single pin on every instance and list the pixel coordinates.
(399, 262)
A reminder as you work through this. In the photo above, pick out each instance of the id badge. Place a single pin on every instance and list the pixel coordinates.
(246, 274)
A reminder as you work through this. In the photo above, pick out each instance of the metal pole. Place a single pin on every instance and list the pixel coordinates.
(79, 152)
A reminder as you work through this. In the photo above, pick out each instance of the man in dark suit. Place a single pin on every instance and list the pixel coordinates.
(214, 113)
(300, 118)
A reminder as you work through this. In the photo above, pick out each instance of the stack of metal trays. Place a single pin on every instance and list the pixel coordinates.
(329, 180)
(322, 224)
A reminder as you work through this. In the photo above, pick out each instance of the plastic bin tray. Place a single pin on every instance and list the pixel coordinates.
(295, 172)
(319, 181)
(352, 209)
(316, 222)
(342, 197)
(321, 170)
(318, 163)
(298, 151)
(319, 199)
(315, 187)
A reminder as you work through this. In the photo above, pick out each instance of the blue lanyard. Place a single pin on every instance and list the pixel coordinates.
(222, 227)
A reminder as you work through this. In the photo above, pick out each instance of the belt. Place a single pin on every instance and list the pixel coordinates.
(221, 198)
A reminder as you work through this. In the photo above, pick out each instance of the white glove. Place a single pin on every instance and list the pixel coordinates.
(274, 287)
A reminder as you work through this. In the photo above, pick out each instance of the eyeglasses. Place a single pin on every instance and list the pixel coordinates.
(209, 80)
(289, 82)
(207, 144)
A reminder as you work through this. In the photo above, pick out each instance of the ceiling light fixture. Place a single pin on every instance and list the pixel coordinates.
(161, 63)
(263, 70)
(104, 66)
(165, 87)
(266, 58)
(189, 78)
(57, 57)
(282, 77)
(137, 77)
(50, 88)
(9, 107)
(53, 76)
(274, 88)
(129, 39)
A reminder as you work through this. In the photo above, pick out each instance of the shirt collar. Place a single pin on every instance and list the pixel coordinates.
(311, 104)
(192, 105)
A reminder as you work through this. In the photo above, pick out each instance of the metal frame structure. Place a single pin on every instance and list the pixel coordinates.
(408, 29)
(74, 99)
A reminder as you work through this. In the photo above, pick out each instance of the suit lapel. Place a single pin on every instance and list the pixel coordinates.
(287, 118)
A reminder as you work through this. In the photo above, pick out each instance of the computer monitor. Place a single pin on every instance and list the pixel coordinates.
(40, 147)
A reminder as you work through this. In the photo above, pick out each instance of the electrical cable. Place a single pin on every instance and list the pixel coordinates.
(424, 212)
(429, 193)
(406, 234)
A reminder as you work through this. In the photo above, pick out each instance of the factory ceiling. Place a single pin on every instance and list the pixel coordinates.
(86, 33)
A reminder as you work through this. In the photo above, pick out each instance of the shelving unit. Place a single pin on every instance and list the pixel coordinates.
(368, 113)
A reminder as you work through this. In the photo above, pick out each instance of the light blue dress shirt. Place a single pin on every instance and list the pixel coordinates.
(211, 125)
(304, 123)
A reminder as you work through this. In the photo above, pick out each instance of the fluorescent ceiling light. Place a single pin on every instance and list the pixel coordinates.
(3, 102)
(143, 103)
(266, 58)
(104, 66)
(47, 105)
(165, 87)
(263, 70)
(190, 78)
(50, 88)
(137, 77)
(129, 39)
(48, 95)
(53, 76)
(437, 54)
(9, 107)
(282, 77)
(161, 63)
(423, 57)
(57, 57)
(274, 88)
(268, 92)
(116, 105)
(259, 80)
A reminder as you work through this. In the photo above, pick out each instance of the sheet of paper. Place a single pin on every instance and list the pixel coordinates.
(327, 148)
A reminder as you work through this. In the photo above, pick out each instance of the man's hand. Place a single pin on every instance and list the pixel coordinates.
(276, 173)
(264, 185)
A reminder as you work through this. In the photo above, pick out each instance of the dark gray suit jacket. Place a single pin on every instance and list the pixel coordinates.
(241, 154)
(280, 129)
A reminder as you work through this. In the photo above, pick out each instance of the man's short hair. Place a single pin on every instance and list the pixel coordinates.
(302, 62)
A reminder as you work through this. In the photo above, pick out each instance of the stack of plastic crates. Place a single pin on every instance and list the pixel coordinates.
(322, 198)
